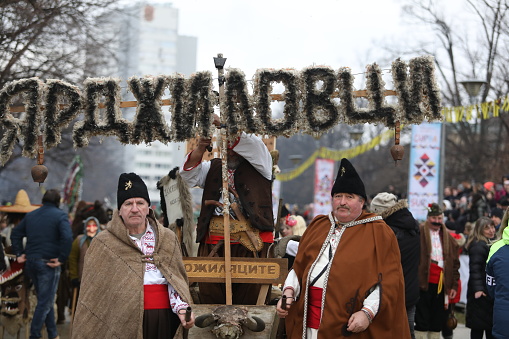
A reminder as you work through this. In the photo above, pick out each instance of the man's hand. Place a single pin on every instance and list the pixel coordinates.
(452, 294)
(289, 301)
(182, 316)
(358, 322)
(21, 259)
(479, 294)
(54, 263)
(216, 121)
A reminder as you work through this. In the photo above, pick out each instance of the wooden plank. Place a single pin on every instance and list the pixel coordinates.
(262, 295)
(167, 102)
(244, 270)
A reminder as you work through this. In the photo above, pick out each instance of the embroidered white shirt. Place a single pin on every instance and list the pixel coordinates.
(152, 274)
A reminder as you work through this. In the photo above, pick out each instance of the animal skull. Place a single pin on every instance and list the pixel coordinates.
(229, 320)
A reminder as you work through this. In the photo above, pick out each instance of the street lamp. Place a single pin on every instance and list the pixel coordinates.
(473, 87)
(356, 132)
(295, 159)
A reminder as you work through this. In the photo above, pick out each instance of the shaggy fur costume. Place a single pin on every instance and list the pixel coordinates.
(111, 296)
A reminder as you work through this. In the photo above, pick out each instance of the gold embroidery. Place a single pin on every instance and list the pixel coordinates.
(128, 185)
(342, 171)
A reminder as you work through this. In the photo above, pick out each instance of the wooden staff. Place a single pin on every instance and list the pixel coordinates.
(219, 62)
(187, 318)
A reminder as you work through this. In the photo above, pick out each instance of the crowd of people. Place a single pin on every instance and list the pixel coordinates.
(367, 268)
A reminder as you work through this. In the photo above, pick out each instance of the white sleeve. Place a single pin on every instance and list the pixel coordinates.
(252, 148)
(372, 302)
(195, 176)
(292, 282)
(176, 303)
(292, 247)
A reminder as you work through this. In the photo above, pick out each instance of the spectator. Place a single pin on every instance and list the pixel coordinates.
(479, 316)
(396, 214)
(49, 239)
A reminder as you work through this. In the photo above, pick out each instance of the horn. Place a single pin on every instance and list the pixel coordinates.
(255, 324)
(204, 320)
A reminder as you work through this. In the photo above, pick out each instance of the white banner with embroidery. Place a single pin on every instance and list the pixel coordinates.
(324, 177)
(423, 176)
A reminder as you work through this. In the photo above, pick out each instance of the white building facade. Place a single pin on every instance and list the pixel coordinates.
(149, 44)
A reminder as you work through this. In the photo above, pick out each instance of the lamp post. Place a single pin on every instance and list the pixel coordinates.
(473, 87)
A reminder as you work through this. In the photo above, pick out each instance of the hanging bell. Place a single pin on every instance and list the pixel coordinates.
(397, 151)
(39, 171)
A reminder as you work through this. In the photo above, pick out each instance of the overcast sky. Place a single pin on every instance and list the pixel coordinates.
(256, 34)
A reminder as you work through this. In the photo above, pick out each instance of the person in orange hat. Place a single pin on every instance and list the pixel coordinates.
(14, 213)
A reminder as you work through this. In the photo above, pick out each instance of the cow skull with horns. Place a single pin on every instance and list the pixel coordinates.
(229, 320)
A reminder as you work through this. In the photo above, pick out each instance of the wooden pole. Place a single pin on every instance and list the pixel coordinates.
(226, 195)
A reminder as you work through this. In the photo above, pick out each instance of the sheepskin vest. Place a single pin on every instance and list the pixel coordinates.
(254, 191)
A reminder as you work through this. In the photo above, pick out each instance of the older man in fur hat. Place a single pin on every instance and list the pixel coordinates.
(134, 283)
(347, 277)
(438, 274)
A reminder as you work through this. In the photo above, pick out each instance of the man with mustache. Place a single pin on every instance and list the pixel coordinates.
(347, 277)
(438, 274)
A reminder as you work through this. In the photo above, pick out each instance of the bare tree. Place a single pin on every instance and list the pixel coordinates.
(474, 49)
(54, 39)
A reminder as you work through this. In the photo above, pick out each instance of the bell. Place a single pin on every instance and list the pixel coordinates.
(39, 173)
(397, 152)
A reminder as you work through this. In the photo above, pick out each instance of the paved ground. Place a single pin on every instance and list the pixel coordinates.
(461, 332)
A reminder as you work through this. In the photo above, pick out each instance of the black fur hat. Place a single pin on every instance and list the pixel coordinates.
(130, 185)
(348, 181)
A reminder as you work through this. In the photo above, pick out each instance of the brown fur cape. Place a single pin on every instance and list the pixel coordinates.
(110, 304)
(367, 255)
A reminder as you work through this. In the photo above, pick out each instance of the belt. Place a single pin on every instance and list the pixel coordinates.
(240, 231)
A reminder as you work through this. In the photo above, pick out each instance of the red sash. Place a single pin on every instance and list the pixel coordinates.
(156, 297)
(314, 307)
(434, 273)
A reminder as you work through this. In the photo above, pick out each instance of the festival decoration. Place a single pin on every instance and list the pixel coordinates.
(113, 124)
(58, 94)
(309, 108)
(262, 90)
(25, 129)
(336, 155)
(397, 151)
(238, 104)
(376, 110)
(320, 111)
(39, 171)
(148, 123)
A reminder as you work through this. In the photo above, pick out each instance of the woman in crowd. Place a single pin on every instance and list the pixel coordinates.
(497, 280)
(479, 316)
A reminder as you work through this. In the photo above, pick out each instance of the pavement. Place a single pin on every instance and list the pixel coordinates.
(461, 332)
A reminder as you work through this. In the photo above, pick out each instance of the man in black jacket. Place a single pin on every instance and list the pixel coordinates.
(396, 214)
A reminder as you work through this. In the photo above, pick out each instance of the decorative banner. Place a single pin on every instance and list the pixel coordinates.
(71, 191)
(324, 178)
(336, 155)
(423, 176)
(483, 111)
(315, 100)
